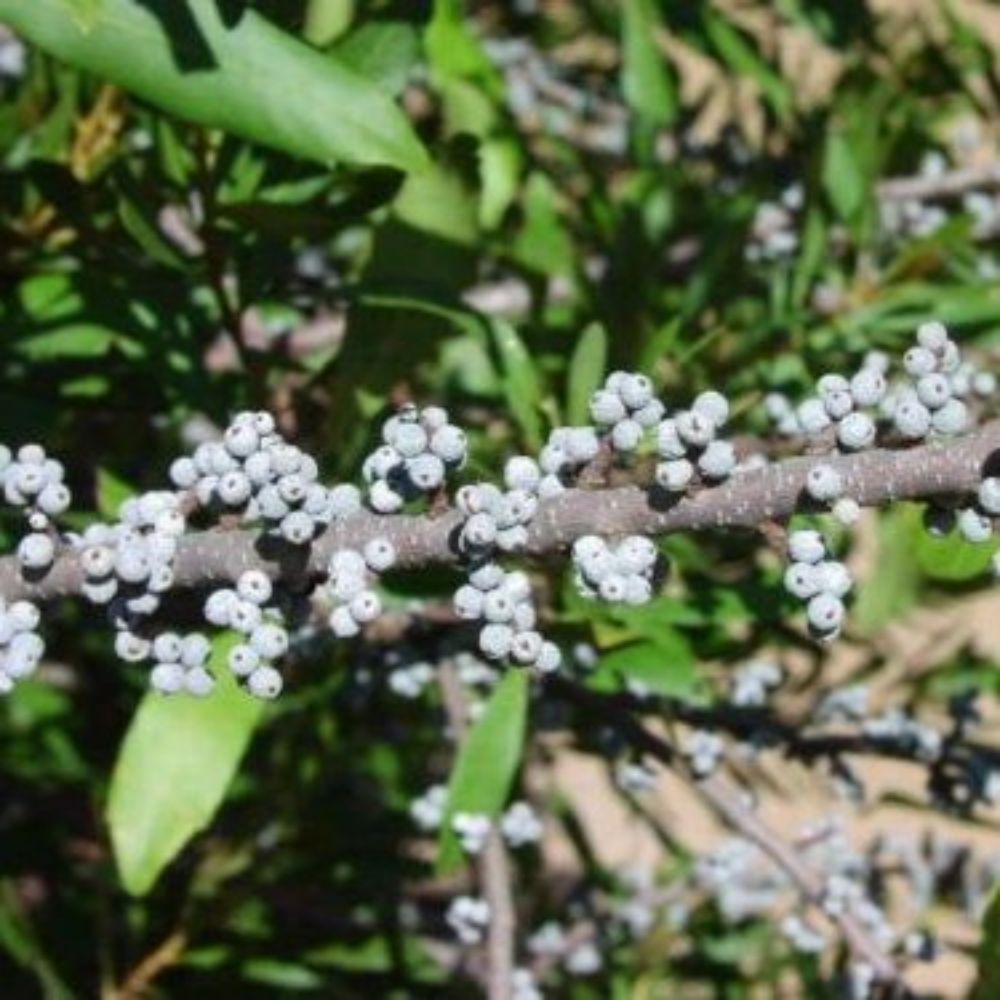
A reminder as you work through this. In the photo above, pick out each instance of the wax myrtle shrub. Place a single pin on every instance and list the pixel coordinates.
(498, 499)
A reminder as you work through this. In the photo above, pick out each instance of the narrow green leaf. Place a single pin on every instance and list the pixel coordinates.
(952, 558)
(75, 340)
(843, 178)
(174, 767)
(381, 51)
(520, 381)
(586, 372)
(240, 74)
(85, 12)
(646, 82)
(112, 492)
(484, 771)
(893, 588)
(663, 668)
(988, 980)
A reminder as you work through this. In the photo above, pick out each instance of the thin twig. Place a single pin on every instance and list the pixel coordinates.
(492, 864)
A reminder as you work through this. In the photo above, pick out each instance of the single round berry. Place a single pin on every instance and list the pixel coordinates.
(265, 682)
(167, 678)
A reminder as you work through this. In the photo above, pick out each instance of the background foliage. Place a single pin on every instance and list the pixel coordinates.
(327, 207)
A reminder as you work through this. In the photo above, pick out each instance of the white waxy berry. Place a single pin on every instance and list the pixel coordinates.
(668, 441)
(199, 682)
(675, 475)
(347, 586)
(952, 418)
(433, 418)
(803, 580)
(635, 391)
(919, 361)
(426, 472)
(694, 428)
(384, 499)
(626, 435)
(581, 444)
(588, 547)
(522, 473)
(868, 387)
(974, 526)
(219, 607)
(812, 416)
(479, 531)
(345, 500)
(606, 408)
(167, 647)
(856, 431)
(298, 528)
(512, 539)
(243, 660)
(409, 439)
(255, 586)
(97, 561)
(933, 336)
(292, 488)
(550, 486)
(184, 473)
(498, 606)
(934, 390)
(487, 576)
(244, 616)
(517, 586)
(380, 555)
(131, 648)
(99, 591)
(258, 469)
(638, 590)
(161, 579)
(366, 607)
(825, 613)
(343, 624)
(838, 404)
(649, 415)
(526, 647)
(713, 405)
(549, 658)
(241, 440)
(167, 678)
(233, 488)
(830, 383)
(468, 602)
(450, 444)
(36, 551)
(265, 683)
(988, 495)
(613, 588)
(495, 640)
(195, 650)
(806, 546)
(718, 460)
(23, 616)
(984, 383)
(269, 640)
(54, 499)
(824, 483)
(834, 578)
(635, 554)
(525, 616)
(847, 511)
(912, 419)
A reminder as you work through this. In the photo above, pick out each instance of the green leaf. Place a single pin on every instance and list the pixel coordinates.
(646, 82)
(487, 762)
(893, 588)
(663, 668)
(453, 50)
(543, 244)
(381, 51)
(75, 340)
(112, 492)
(85, 12)
(586, 372)
(953, 558)
(988, 980)
(240, 74)
(174, 767)
(520, 380)
(842, 175)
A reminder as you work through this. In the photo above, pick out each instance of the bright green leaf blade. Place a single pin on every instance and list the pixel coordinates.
(661, 668)
(988, 981)
(489, 758)
(520, 380)
(646, 82)
(586, 372)
(243, 75)
(174, 767)
(953, 558)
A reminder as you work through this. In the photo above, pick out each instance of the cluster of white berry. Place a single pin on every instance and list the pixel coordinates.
(411, 680)
(635, 777)
(255, 472)
(626, 408)
(703, 750)
(130, 563)
(752, 683)
(420, 448)
(251, 608)
(688, 443)
(802, 936)
(180, 663)
(519, 825)
(502, 601)
(566, 452)
(818, 580)
(621, 574)
(468, 917)
(495, 518)
(34, 482)
(975, 522)
(21, 646)
(350, 580)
